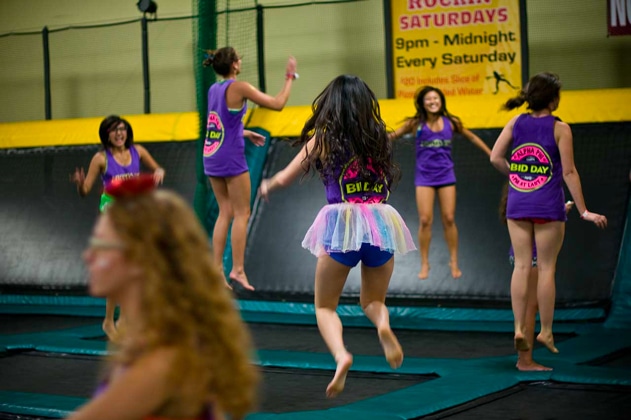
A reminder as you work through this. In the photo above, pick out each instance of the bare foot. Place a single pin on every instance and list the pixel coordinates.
(455, 271)
(241, 278)
(424, 273)
(336, 386)
(531, 366)
(521, 344)
(548, 341)
(110, 330)
(391, 348)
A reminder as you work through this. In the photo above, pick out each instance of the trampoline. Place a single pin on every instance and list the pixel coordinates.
(459, 361)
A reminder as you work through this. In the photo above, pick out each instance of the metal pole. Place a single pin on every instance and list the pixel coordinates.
(47, 102)
(260, 46)
(145, 65)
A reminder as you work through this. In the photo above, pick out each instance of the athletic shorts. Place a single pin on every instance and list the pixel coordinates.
(369, 255)
(535, 220)
(511, 260)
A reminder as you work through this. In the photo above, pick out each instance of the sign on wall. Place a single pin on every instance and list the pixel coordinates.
(619, 17)
(463, 47)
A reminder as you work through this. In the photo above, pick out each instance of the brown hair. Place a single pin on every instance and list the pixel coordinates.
(421, 113)
(185, 304)
(540, 90)
(221, 60)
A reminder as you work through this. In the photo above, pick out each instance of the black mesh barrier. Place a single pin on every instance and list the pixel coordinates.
(44, 224)
(586, 264)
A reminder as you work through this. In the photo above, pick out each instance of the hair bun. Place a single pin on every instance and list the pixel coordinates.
(131, 187)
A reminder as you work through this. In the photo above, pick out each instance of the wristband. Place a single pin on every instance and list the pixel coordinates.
(292, 76)
(584, 215)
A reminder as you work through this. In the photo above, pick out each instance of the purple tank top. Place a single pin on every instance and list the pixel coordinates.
(114, 170)
(224, 146)
(434, 166)
(536, 175)
(347, 186)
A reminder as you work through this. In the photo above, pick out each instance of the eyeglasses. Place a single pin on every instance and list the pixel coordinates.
(97, 243)
(118, 129)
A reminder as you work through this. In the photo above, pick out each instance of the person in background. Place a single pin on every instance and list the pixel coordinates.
(435, 128)
(541, 158)
(120, 158)
(224, 156)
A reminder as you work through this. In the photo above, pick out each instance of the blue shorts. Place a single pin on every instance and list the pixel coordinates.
(369, 255)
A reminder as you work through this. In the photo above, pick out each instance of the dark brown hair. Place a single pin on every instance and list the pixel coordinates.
(108, 125)
(540, 90)
(221, 60)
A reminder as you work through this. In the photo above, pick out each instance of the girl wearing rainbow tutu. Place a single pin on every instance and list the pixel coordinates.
(346, 142)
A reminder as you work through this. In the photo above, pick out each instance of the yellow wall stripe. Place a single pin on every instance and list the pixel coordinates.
(587, 106)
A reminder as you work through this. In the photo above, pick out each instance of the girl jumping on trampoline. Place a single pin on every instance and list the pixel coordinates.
(541, 158)
(184, 351)
(346, 142)
(119, 159)
(525, 362)
(434, 127)
(224, 156)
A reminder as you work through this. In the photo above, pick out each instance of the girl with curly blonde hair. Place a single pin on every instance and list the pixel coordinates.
(184, 351)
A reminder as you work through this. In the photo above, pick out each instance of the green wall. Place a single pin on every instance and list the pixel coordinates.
(99, 71)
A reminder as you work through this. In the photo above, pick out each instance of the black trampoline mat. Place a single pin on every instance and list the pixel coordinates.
(50, 373)
(364, 341)
(619, 359)
(287, 390)
(30, 323)
(282, 390)
(547, 401)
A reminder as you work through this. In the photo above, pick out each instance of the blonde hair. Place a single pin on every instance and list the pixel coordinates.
(185, 304)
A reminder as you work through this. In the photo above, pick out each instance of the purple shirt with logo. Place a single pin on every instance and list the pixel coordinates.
(536, 174)
(434, 166)
(348, 186)
(224, 146)
(114, 170)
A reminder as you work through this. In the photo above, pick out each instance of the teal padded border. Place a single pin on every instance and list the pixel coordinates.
(298, 313)
(452, 387)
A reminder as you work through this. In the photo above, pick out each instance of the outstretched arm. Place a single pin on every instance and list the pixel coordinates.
(149, 162)
(244, 90)
(85, 182)
(477, 141)
(498, 154)
(406, 128)
(286, 176)
(563, 134)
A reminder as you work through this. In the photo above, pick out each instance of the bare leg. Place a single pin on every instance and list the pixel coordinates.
(222, 224)
(329, 281)
(549, 238)
(447, 202)
(109, 327)
(375, 281)
(425, 204)
(521, 233)
(239, 190)
(525, 361)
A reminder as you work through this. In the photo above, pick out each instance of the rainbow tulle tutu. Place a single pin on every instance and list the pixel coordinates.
(345, 227)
